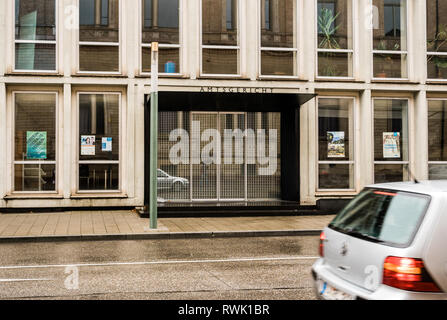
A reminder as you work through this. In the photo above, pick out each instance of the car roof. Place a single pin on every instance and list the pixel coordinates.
(432, 186)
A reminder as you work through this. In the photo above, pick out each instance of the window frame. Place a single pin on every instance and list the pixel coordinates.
(118, 162)
(295, 49)
(393, 52)
(408, 162)
(48, 42)
(433, 53)
(429, 162)
(353, 128)
(39, 162)
(161, 46)
(100, 44)
(348, 51)
(221, 47)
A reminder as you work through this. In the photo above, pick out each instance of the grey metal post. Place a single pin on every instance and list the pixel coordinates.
(153, 137)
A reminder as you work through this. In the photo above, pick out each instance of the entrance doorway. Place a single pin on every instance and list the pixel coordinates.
(222, 178)
(219, 156)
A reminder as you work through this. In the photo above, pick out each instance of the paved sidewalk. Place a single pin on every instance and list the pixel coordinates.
(104, 225)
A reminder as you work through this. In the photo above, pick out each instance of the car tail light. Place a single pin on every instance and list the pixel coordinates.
(408, 274)
(322, 239)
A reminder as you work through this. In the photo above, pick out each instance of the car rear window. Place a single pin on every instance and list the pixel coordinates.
(391, 217)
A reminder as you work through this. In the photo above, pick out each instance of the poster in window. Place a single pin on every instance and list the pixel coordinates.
(107, 144)
(87, 145)
(391, 145)
(336, 144)
(36, 145)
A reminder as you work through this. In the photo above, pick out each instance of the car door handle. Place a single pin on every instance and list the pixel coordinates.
(344, 268)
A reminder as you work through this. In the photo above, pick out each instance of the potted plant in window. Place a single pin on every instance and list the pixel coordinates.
(388, 61)
(326, 31)
(435, 45)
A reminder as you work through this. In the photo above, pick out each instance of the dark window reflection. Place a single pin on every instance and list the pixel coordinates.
(35, 114)
(277, 30)
(35, 140)
(34, 177)
(35, 20)
(161, 21)
(334, 26)
(384, 173)
(99, 20)
(99, 118)
(98, 177)
(219, 22)
(335, 176)
(392, 14)
(389, 34)
(436, 39)
(437, 135)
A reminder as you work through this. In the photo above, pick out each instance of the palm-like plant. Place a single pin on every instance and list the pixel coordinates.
(435, 45)
(439, 40)
(327, 29)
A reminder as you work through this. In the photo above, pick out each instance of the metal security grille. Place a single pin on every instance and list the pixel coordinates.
(204, 170)
(264, 186)
(172, 178)
(232, 168)
(219, 156)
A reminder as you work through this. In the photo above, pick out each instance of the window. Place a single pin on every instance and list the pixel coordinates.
(278, 38)
(99, 141)
(35, 142)
(437, 139)
(220, 37)
(436, 39)
(335, 143)
(161, 24)
(390, 140)
(335, 45)
(35, 35)
(378, 216)
(390, 40)
(99, 36)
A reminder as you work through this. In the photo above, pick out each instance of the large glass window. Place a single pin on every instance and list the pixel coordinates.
(278, 37)
(35, 35)
(378, 216)
(99, 36)
(35, 142)
(220, 37)
(390, 140)
(437, 139)
(334, 47)
(99, 141)
(390, 39)
(437, 39)
(335, 143)
(161, 24)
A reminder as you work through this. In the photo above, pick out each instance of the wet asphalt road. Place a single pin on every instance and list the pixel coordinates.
(225, 268)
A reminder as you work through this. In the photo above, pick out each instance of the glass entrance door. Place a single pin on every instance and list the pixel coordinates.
(233, 166)
(204, 167)
(217, 154)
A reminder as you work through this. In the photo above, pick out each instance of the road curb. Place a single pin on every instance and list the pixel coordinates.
(162, 235)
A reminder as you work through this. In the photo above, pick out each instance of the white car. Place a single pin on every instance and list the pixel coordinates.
(387, 243)
(168, 182)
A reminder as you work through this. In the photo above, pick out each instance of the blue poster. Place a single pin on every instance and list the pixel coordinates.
(36, 145)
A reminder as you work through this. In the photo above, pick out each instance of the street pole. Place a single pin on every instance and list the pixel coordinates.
(153, 137)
